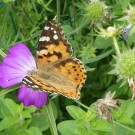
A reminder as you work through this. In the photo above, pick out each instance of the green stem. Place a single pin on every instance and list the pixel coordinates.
(132, 130)
(58, 10)
(51, 120)
(116, 44)
(7, 90)
(84, 106)
(113, 128)
(2, 53)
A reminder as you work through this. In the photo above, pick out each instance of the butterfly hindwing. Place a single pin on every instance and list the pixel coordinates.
(74, 70)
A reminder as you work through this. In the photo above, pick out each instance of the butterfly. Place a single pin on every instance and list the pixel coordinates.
(57, 71)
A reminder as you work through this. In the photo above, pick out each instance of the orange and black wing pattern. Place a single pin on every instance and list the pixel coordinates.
(57, 71)
(52, 44)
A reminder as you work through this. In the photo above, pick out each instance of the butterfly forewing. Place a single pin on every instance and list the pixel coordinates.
(52, 44)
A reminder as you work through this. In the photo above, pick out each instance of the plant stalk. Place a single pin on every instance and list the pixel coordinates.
(51, 120)
(58, 10)
(116, 45)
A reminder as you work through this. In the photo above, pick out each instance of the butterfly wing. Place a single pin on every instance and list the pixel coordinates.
(52, 45)
(66, 78)
(74, 72)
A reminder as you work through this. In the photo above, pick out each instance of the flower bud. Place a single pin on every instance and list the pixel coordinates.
(125, 65)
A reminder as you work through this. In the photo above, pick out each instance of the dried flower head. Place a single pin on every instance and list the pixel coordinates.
(105, 105)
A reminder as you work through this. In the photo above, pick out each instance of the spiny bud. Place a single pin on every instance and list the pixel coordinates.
(94, 10)
(125, 65)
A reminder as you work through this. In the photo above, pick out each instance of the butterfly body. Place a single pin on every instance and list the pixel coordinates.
(57, 71)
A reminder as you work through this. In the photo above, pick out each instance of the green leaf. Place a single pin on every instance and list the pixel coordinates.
(75, 112)
(26, 114)
(67, 29)
(8, 121)
(90, 115)
(121, 131)
(9, 107)
(39, 121)
(67, 127)
(125, 112)
(102, 43)
(124, 3)
(124, 129)
(7, 90)
(31, 109)
(99, 57)
(33, 131)
(123, 90)
(101, 125)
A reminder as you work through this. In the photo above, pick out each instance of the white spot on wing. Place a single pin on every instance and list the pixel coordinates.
(55, 37)
(46, 28)
(54, 31)
(43, 52)
(44, 39)
(52, 28)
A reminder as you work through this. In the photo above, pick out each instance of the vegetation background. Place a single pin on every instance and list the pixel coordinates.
(94, 30)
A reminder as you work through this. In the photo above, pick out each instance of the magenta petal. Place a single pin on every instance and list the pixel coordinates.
(15, 65)
(22, 52)
(30, 97)
(9, 76)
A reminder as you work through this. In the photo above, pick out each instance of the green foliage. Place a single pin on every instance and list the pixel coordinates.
(95, 37)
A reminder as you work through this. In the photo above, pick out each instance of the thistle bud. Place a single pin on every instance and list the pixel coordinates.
(125, 65)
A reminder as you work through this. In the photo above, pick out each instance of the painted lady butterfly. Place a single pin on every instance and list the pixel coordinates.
(57, 71)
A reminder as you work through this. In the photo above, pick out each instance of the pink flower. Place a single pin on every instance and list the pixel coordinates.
(14, 67)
